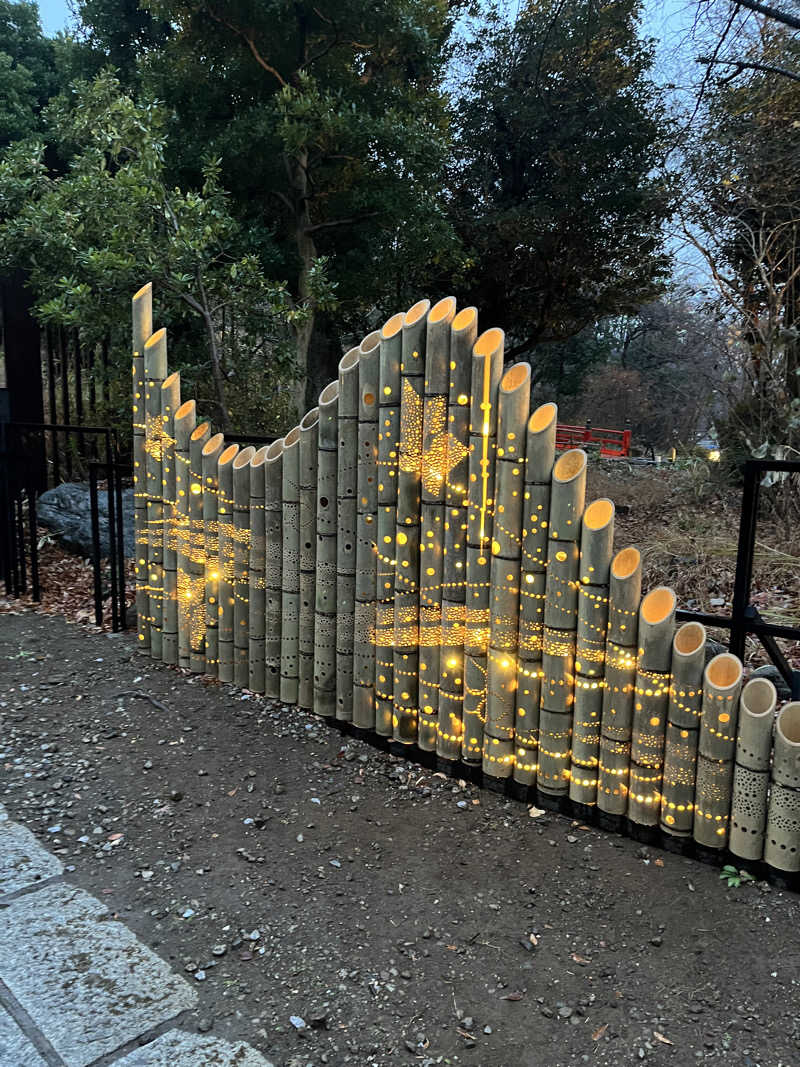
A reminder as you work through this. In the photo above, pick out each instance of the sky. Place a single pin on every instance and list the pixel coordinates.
(54, 15)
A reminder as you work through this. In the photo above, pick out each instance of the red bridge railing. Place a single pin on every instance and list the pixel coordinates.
(612, 442)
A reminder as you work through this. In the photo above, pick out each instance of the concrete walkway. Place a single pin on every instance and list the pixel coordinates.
(77, 989)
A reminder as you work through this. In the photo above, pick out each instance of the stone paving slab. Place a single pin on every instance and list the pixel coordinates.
(179, 1049)
(3, 813)
(83, 978)
(23, 861)
(15, 1049)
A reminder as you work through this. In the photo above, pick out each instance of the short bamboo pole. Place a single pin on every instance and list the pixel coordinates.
(241, 564)
(782, 843)
(184, 427)
(273, 566)
(367, 527)
(513, 410)
(227, 562)
(309, 448)
(432, 515)
(256, 565)
(683, 729)
(325, 590)
(463, 334)
(290, 573)
(722, 685)
(751, 771)
(197, 550)
(405, 719)
(170, 402)
(624, 591)
(539, 458)
(567, 498)
(594, 569)
(651, 703)
(487, 369)
(391, 348)
(155, 371)
(212, 450)
(142, 314)
(346, 486)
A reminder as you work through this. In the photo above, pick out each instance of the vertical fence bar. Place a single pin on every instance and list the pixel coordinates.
(35, 590)
(273, 536)
(98, 581)
(290, 571)
(346, 511)
(256, 570)
(170, 403)
(227, 575)
(309, 451)
(142, 328)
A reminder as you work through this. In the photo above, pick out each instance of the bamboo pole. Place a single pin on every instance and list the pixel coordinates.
(651, 704)
(273, 566)
(722, 684)
(567, 497)
(540, 451)
(241, 560)
(196, 611)
(594, 570)
(487, 369)
(751, 772)
(257, 594)
(346, 486)
(782, 843)
(513, 410)
(290, 574)
(170, 402)
(683, 728)
(367, 527)
(227, 562)
(184, 427)
(325, 593)
(142, 315)
(463, 334)
(212, 450)
(624, 592)
(309, 449)
(432, 515)
(391, 348)
(155, 371)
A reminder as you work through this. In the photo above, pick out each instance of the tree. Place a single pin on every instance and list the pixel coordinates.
(27, 70)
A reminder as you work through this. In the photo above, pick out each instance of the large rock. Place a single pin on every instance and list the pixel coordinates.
(67, 512)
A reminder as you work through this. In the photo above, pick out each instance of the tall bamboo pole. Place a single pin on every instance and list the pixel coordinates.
(346, 486)
(513, 410)
(463, 334)
(391, 350)
(487, 369)
(142, 314)
(722, 685)
(290, 574)
(170, 402)
(567, 497)
(241, 559)
(325, 592)
(367, 532)
(539, 458)
(155, 371)
(782, 842)
(683, 728)
(751, 772)
(651, 703)
(196, 549)
(432, 515)
(184, 427)
(212, 450)
(257, 596)
(624, 592)
(594, 570)
(273, 567)
(227, 562)
(309, 448)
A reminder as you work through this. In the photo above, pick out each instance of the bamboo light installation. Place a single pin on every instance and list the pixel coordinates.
(625, 587)
(782, 844)
(273, 566)
(256, 567)
(170, 402)
(567, 495)
(722, 684)
(539, 458)
(241, 559)
(346, 486)
(683, 729)
(513, 410)
(463, 333)
(290, 573)
(195, 607)
(432, 515)
(227, 564)
(487, 369)
(155, 371)
(212, 450)
(142, 316)
(325, 586)
(594, 567)
(183, 428)
(751, 771)
(309, 447)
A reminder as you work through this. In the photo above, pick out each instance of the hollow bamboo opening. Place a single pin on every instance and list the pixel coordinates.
(329, 394)
(143, 291)
(292, 437)
(155, 338)
(488, 342)
(186, 408)
(227, 455)
(370, 342)
(599, 514)
(542, 418)
(259, 456)
(657, 605)
(625, 562)
(311, 418)
(415, 313)
(446, 306)
(169, 382)
(212, 444)
(759, 697)
(515, 377)
(392, 326)
(349, 360)
(243, 457)
(275, 449)
(689, 638)
(463, 319)
(570, 465)
(788, 725)
(724, 671)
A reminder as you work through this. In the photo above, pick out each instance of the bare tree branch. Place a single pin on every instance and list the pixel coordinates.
(771, 12)
(741, 65)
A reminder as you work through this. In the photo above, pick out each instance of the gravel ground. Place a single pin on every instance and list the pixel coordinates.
(337, 905)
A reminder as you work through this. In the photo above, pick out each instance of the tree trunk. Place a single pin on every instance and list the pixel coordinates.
(297, 170)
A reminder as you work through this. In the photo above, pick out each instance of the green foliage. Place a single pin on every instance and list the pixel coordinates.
(27, 70)
(734, 877)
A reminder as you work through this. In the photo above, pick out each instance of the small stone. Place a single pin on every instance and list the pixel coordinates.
(204, 1025)
(254, 935)
(279, 789)
(176, 795)
(219, 950)
(565, 1012)
(467, 1022)
(200, 976)
(487, 1029)
(571, 838)
(657, 941)
(297, 1022)
(148, 765)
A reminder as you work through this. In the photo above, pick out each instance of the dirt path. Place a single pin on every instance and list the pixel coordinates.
(403, 918)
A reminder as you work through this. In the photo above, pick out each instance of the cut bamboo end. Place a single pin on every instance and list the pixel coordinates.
(200, 431)
(786, 756)
(759, 699)
(625, 564)
(466, 319)
(751, 774)
(443, 311)
(416, 313)
(597, 538)
(257, 460)
(155, 356)
(309, 420)
(540, 449)
(392, 326)
(142, 314)
(656, 630)
(689, 640)
(213, 445)
(724, 673)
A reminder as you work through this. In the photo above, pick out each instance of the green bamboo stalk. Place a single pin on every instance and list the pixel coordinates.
(683, 728)
(346, 486)
(257, 596)
(142, 315)
(751, 772)
(241, 559)
(155, 371)
(325, 595)
(183, 428)
(722, 685)
(196, 608)
(782, 843)
(212, 450)
(309, 448)
(273, 575)
(227, 562)
(290, 574)
(170, 402)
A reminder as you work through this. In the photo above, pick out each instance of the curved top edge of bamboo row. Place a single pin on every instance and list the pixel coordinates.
(787, 724)
(689, 639)
(570, 465)
(599, 514)
(724, 672)
(759, 698)
(243, 457)
(626, 562)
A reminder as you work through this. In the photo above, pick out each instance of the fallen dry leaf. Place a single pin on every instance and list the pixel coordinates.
(513, 996)
(661, 1038)
(599, 1032)
(580, 959)
(535, 813)
(659, 863)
